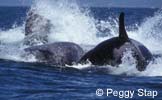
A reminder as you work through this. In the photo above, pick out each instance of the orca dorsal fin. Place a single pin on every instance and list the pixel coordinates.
(122, 31)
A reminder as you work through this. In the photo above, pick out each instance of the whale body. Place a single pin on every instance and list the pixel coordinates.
(58, 53)
(37, 29)
(112, 50)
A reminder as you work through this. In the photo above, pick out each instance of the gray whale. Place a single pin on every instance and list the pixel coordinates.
(111, 51)
(59, 53)
(37, 29)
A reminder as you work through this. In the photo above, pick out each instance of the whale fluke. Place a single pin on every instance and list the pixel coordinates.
(122, 31)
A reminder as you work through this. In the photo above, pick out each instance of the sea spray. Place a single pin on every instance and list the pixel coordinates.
(70, 23)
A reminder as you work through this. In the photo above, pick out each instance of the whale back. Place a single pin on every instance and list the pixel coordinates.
(58, 53)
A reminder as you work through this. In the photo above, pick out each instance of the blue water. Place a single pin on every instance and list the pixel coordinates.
(28, 81)
(12, 15)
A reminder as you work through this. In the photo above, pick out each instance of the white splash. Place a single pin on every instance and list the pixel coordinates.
(69, 22)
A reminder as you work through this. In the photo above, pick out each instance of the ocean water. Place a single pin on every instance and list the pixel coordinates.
(22, 79)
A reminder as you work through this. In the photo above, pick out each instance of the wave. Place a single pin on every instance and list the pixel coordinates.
(75, 24)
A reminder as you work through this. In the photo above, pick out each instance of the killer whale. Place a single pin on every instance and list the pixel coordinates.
(58, 53)
(111, 51)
